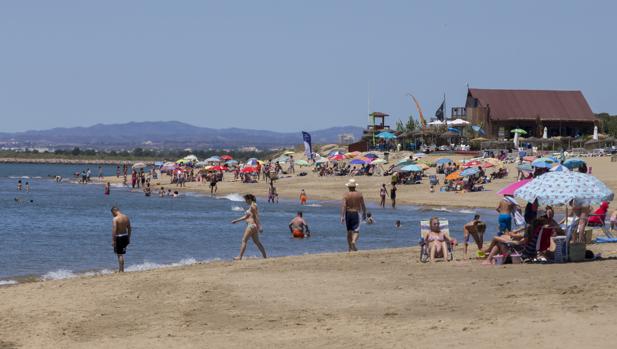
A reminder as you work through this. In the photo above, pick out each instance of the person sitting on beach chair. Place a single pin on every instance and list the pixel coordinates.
(435, 240)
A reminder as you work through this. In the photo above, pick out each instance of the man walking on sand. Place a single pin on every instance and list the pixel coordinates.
(120, 235)
(353, 203)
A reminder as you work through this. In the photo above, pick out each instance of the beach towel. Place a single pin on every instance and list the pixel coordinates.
(605, 240)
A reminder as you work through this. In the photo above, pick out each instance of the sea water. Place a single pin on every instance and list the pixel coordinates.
(63, 230)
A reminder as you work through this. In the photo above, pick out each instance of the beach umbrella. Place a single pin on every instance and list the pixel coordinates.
(302, 162)
(573, 163)
(423, 166)
(378, 162)
(358, 162)
(335, 152)
(139, 165)
(249, 169)
(232, 162)
(525, 167)
(454, 176)
(353, 154)
(480, 139)
(476, 163)
(469, 172)
(455, 130)
(478, 129)
(159, 163)
(322, 160)
(519, 131)
(442, 161)
(371, 155)
(213, 159)
(226, 157)
(218, 168)
(436, 123)
(559, 188)
(406, 161)
(337, 157)
(543, 163)
(559, 168)
(511, 188)
(419, 155)
(494, 162)
(191, 158)
(201, 164)
(289, 152)
(386, 135)
(411, 168)
(168, 166)
(529, 158)
(458, 122)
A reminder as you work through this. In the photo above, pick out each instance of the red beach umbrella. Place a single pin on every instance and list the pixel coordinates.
(226, 157)
(249, 169)
(218, 168)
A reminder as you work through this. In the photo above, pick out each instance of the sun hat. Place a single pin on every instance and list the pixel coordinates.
(351, 183)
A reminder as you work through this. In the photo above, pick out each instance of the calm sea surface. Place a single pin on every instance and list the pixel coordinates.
(60, 230)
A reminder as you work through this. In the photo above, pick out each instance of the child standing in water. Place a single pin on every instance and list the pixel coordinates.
(302, 197)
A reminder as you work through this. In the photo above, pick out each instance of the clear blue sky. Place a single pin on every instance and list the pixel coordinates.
(289, 65)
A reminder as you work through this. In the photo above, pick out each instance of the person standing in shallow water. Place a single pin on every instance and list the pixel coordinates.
(383, 192)
(120, 235)
(253, 227)
(353, 203)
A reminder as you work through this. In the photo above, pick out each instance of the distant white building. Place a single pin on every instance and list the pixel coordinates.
(346, 138)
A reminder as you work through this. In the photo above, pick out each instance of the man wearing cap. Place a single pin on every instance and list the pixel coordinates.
(353, 203)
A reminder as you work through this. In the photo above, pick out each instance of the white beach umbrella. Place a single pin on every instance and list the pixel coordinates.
(191, 157)
(139, 165)
(436, 123)
(458, 122)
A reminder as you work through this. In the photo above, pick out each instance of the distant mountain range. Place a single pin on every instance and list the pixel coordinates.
(171, 134)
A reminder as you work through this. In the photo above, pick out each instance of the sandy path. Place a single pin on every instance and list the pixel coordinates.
(374, 299)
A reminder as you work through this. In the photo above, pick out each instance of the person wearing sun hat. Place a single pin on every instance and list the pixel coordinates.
(352, 205)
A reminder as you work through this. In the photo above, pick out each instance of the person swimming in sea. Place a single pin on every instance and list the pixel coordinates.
(369, 218)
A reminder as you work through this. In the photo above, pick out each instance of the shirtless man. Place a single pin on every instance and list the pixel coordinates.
(505, 208)
(475, 228)
(299, 224)
(353, 203)
(120, 235)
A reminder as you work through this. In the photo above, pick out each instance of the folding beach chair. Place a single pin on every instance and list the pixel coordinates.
(601, 225)
(425, 228)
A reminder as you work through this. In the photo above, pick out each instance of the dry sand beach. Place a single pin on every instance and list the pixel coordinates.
(369, 299)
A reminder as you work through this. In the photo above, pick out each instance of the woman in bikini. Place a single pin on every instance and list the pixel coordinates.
(437, 241)
(253, 226)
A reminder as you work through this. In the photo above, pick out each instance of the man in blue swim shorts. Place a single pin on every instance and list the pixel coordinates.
(352, 205)
(505, 208)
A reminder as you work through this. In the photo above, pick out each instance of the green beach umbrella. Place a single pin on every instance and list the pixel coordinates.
(520, 131)
(302, 163)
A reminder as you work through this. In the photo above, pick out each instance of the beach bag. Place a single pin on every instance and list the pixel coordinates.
(518, 218)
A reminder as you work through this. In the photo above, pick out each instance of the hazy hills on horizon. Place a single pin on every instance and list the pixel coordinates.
(172, 134)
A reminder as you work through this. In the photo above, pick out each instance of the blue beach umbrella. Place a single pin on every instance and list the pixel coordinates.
(386, 135)
(559, 168)
(479, 130)
(525, 167)
(469, 172)
(455, 130)
(543, 163)
(357, 162)
(443, 161)
(371, 155)
(559, 188)
(411, 168)
(573, 163)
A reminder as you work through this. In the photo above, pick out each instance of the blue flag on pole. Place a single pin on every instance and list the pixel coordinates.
(308, 150)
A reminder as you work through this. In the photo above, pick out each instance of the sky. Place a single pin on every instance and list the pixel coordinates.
(290, 65)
